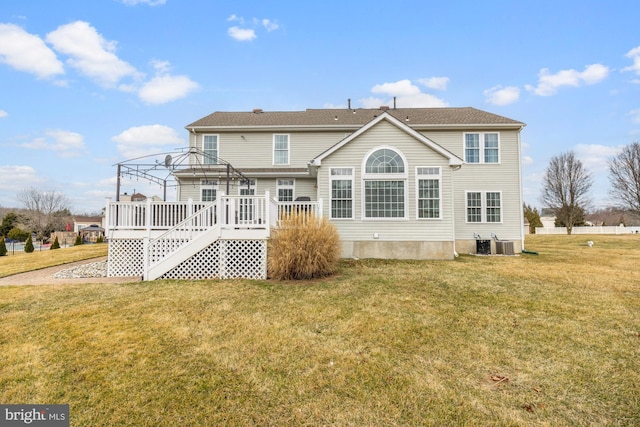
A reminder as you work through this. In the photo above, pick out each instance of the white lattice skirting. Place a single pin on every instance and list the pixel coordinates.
(224, 259)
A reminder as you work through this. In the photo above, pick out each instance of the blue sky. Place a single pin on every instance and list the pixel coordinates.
(86, 84)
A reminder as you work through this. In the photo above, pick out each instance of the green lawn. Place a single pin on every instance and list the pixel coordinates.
(546, 340)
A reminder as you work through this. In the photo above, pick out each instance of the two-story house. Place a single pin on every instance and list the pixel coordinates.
(411, 183)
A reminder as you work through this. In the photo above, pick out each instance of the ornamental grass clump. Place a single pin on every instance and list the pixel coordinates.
(303, 247)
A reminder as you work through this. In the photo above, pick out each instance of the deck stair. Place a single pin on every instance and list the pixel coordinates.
(181, 242)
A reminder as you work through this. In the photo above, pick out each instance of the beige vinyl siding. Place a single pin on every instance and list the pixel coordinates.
(503, 177)
(256, 149)
(416, 154)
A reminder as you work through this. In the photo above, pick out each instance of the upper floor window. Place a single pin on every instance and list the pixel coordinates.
(210, 149)
(385, 181)
(484, 206)
(280, 149)
(482, 147)
(341, 193)
(428, 192)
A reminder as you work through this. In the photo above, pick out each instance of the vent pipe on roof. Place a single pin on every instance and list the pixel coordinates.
(394, 102)
(349, 103)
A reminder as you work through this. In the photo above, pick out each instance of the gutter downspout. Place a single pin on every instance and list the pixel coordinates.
(453, 210)
(521, 199)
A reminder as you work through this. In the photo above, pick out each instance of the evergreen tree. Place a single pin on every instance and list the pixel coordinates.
(3, 247)
(56, 244)
(28, 247)
(533, 216)
(9, 221)
(78, 240)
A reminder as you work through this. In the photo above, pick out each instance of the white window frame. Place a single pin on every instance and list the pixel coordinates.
(208, 184)
(424, 173)
(484, 207)
(482, 147)
(246, 206)
(342, 174)
(286, 184)
(379, 177)
(288, 149)
(242, 185)
(206, 159)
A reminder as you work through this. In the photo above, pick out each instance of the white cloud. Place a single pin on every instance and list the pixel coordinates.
(407, 95)
(90, 53)
(64, 143)
(21, 177)
(635, 115)
(435, 83)
(241, 34)
(548, 84)
(634, 54)
(3, 114)
(164, 87)
(149, 2)
(146, 140)
(527, 160)
(499, 95)
(270, 25)
(594, 157)
(246, 29)
(27, 52)
(399, 88)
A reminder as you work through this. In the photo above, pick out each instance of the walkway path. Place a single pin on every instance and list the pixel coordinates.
(45, 276)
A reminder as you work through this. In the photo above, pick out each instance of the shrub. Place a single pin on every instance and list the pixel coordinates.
(3, 247)
(303, 247)
(100, 239)
(18, 234)
(56, 244)
(28, 247)
(78, 240)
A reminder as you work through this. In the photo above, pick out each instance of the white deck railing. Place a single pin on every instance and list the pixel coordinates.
(244, 212)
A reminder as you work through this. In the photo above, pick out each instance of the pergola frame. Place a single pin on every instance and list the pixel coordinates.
(176, 161)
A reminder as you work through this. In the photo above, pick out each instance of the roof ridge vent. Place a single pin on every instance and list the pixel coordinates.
(257, 110)
(384, 107)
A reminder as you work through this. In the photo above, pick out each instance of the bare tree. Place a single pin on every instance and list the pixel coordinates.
(565, 189)
(624, 175)
(42, 209)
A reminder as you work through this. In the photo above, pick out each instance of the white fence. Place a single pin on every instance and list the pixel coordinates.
(239, 211)
(589, 230)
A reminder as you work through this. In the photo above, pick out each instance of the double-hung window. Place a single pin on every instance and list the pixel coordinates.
(208, 190)
(483, 147)
(385, 181)
(280, 149)
(285, 189)
(210, 149)
(341, 193)
(246, 206)
(428, 192)
(484, 206)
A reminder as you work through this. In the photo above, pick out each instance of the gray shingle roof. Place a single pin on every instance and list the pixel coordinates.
(354, 117)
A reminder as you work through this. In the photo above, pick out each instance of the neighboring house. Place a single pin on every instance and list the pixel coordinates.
(407, 183)
(548, 218)
(88, 227)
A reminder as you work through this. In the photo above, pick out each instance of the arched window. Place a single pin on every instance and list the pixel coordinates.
(384, 160)
(385, 184)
